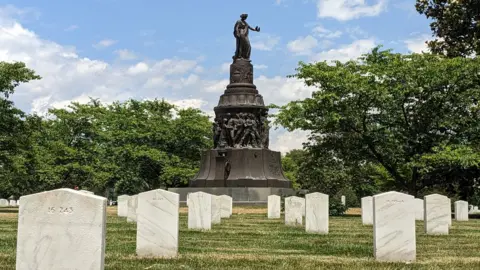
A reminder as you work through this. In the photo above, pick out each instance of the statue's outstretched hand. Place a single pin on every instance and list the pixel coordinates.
(257, 28)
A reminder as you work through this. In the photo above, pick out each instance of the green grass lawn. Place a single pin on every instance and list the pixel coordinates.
(251, 241)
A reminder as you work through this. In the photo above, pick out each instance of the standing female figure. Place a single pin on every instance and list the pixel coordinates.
(240, 32)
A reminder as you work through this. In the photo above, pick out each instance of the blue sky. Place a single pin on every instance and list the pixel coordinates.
(180, 50)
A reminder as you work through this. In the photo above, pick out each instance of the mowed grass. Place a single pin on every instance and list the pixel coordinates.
(248, 240)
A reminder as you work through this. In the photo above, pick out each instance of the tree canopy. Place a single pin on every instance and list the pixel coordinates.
(403, 122)
(456, 25)
(123, 147)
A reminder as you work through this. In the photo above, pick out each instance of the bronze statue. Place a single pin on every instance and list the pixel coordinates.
(240, 32)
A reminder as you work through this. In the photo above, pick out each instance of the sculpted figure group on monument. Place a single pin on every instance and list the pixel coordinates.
(240, 130)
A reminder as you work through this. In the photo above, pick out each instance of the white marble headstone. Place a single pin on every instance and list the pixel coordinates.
(225, 206)
(87, 191)
(4, 203)
(157, 223)
(449, 205)
(437, 212)
(216, 210)
(344, 200)
(61, 229)
(418, 205)
(122, 205)
(294, 207)
(316, 213)
(461, 211)
(303, 206)
(367, 210)
(13, 203)
(394, 227)
(274, 206)
(200, 211)
(132, 205)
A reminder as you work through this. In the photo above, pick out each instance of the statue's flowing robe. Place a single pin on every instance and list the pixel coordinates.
(240, 32)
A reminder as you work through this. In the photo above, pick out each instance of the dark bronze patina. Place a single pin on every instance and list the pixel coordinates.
(241, 157)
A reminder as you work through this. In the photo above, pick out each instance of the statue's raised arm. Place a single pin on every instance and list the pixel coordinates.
(240, 31)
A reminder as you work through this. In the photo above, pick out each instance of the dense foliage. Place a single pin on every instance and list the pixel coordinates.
(390, 122)
(456, 25)
(126, 147)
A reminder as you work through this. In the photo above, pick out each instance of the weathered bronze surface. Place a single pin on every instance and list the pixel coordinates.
(241, 157)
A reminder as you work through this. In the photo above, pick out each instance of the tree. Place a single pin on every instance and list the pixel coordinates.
(392, 113)
(129, 146)
(456, 24)
(291, 164)
(13, 132)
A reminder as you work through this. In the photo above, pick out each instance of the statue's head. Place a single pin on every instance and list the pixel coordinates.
(244, 16)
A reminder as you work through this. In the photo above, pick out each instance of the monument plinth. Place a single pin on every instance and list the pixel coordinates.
(240, 164)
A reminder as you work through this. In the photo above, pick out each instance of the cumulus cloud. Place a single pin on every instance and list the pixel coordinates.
(104, 43)
(265, 42)
(285, 141)
(138, 68)
(344, 10)
(302, 45)
(322, 32)
(346, 52)
(125, 54)
(418, 44)
(68, 76)
(72, 27)
(260, 66)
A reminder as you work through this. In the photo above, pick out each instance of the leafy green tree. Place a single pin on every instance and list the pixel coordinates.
(129, 146)
(456, 24)
(13, 131)
(394, 113)
(291, 164)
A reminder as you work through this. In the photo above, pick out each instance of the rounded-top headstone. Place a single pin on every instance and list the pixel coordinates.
(394, 227)
(61, 229)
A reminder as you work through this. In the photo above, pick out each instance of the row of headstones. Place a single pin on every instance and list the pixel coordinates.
(434, 209)
(203, 209)
(7, 203)
(314, 207)
(393, 216)
(65, 228)
(473, 209)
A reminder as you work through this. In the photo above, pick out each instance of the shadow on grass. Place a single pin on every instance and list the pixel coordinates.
(9, 210)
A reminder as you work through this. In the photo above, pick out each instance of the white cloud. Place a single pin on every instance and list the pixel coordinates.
(104, 43)
(125, 54)
(284, 141)
(417, 44)
(10, 12)
(346, 52)
(302, 45)
(72, 28)
(225, 68)
(264, 42)
(344, 10)
(322, 32)
(356, 32)
(281, 90)
(138, 68)
(68, 76)
(260, 66)
(188, 103)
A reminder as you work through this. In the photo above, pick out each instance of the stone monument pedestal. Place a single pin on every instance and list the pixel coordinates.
(240, 167)
(240, 164)
(240, 195)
